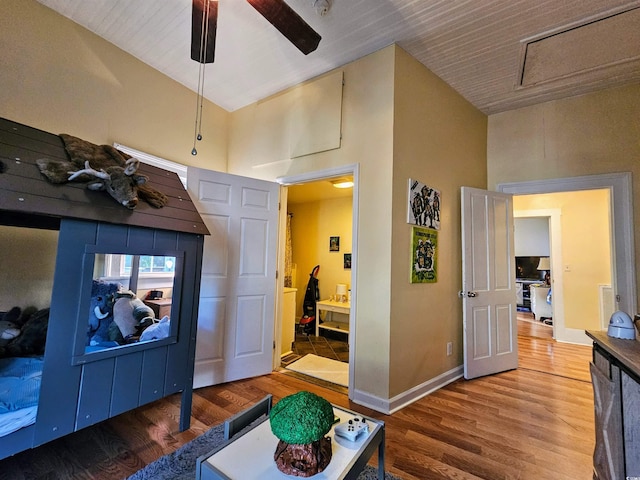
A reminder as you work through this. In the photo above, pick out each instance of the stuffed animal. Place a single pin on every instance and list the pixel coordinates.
(101, 313)
(9, 328)
(158, 330)
(102, 167)
(131, 316)
(33, 326)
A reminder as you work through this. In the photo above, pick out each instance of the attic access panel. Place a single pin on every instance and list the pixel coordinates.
(602, 47)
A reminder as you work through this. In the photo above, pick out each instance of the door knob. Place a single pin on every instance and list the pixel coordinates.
(462, 294)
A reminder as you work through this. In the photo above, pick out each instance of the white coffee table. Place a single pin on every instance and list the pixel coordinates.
(250, 456)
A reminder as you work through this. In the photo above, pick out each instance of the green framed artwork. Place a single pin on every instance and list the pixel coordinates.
(424, 260)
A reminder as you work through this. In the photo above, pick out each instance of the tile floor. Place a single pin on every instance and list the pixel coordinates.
(329, 345)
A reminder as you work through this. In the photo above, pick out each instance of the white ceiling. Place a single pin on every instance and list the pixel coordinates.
(476, 46)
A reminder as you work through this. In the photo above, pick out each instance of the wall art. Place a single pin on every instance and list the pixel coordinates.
(424, 205)
(334, 244)
(424, 259)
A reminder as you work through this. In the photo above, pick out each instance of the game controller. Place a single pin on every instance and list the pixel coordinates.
(352, 429)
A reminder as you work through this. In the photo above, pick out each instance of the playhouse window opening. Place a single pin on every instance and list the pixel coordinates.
(147, 265)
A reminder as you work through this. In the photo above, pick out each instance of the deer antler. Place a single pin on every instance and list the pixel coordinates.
(131, 166)
(89, 171)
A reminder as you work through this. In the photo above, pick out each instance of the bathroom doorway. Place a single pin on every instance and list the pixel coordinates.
(322, 221)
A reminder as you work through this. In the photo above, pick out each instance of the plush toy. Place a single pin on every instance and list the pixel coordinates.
(157, 330)
(31, 340)
(102, 167)
(131, 315)
(101, 313)
(9, 328)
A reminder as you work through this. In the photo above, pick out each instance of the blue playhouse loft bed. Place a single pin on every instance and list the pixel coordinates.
(79, 387)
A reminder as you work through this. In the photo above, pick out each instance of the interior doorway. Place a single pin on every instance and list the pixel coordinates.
(532, 248)
(323, 222)
(623, 285)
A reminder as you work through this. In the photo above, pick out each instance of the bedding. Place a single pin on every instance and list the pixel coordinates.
(20, 379)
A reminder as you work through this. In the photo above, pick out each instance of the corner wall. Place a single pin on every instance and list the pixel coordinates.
(367, 129)
(440, 140)
(311, 226)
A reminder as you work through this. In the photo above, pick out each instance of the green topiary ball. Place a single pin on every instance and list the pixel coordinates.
(301, 418)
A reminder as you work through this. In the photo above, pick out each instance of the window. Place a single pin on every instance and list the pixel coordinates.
(148, 264)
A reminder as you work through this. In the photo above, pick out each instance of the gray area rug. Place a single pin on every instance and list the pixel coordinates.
(181, 464)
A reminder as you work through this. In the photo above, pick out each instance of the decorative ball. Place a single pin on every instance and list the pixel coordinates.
(301, 418)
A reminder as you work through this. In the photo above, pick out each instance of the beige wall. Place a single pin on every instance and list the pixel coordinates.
(367, 129)
(440, 140)
(586, 250)
(311, 226)
(61, 78)
(26, 267)
(590, 134)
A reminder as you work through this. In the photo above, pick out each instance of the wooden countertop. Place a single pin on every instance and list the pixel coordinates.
(627, 352)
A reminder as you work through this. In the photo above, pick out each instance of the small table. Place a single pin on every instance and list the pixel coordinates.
(332, 306)
(250, 455)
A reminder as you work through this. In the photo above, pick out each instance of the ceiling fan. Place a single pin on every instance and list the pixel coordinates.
(205, 17)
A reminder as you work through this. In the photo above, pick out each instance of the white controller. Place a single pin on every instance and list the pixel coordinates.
(352, 429)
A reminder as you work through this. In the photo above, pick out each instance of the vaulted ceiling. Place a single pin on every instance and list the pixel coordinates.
(498, 54)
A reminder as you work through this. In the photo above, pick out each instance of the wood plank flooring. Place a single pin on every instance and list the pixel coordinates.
(535, 422)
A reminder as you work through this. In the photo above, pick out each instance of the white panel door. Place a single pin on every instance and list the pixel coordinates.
(488, 283)
(237, 291)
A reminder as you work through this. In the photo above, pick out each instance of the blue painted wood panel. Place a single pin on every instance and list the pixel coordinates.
(94, 399)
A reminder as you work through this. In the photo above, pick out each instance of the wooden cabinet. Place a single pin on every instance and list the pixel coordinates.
(615, 373)
(160, 307)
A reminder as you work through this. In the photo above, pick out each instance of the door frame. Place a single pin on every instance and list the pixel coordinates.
(555, 247)
(354, 170)
(622, 235)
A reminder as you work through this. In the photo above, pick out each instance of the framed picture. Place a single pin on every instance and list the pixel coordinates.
(334, 244)
(424, 205)
(424, 259)
(347, 261)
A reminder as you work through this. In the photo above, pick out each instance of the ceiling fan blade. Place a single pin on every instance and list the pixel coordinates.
(289, 23)
(203, 30)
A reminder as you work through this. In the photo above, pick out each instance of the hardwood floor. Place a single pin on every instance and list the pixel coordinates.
(536, 422)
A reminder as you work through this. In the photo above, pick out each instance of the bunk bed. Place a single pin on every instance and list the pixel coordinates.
(72, 386)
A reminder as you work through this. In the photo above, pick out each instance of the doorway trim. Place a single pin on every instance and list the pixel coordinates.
(555, 242)
(354, 170)
(619, 185)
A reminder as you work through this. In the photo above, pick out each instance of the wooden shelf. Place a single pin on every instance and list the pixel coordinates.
(335, 326)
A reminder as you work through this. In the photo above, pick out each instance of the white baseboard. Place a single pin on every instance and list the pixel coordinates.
(389, 406)
(573, 335)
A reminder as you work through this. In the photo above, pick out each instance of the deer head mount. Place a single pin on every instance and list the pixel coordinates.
(121, 183)
(102, 167)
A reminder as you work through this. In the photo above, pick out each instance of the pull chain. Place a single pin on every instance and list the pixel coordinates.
(204, 38)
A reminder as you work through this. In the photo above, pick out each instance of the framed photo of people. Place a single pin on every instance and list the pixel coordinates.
(424, 255)
(424, 205)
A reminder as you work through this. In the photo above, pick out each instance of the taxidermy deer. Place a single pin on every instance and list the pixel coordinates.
(102, 167)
